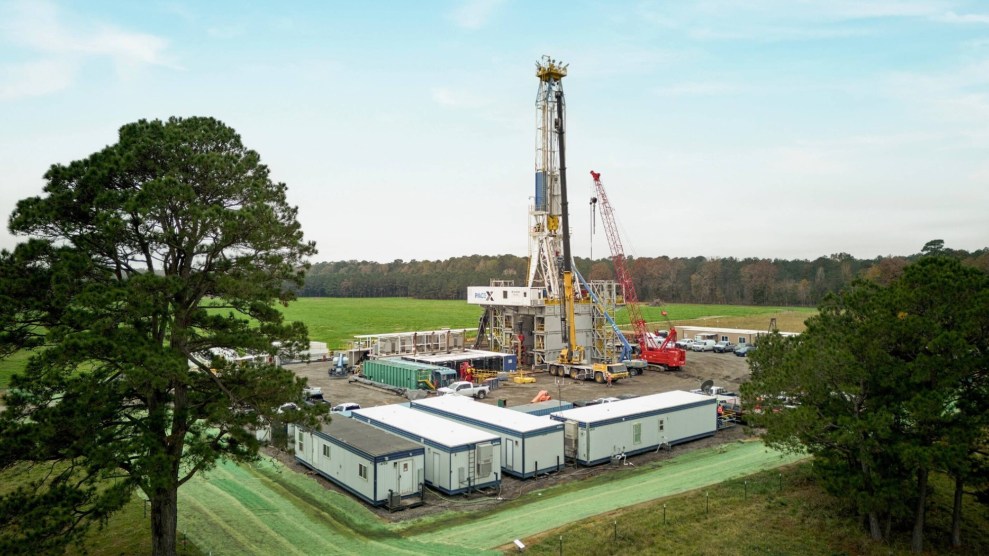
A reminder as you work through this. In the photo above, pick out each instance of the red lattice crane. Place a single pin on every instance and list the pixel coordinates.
(666, 354)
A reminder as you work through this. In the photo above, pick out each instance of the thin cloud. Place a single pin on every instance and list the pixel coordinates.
(769, 21)
(952, 17)
(39, 29)
(474, 14)
(34, 79)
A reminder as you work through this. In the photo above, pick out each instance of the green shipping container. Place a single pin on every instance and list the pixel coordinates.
(399, 372)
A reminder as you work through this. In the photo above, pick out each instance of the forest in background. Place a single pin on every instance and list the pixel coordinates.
(728, 280)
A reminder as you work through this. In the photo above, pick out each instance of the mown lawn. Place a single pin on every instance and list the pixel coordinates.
(13, 364)
(337, 320)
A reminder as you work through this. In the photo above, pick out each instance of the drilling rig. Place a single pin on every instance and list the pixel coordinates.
(550, 319)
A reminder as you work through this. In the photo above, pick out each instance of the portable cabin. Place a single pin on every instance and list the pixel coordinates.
(376, 466)
(543, 408)
(597, 433)
(459, 458)
(530, 445)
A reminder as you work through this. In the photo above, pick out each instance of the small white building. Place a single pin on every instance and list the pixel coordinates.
(530, 445)
(597, 433)
(377, 467)
(458, 458)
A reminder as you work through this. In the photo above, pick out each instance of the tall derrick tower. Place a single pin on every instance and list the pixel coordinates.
(545, 213)
(529, 320)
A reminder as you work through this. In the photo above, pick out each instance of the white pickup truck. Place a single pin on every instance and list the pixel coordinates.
(465, 388)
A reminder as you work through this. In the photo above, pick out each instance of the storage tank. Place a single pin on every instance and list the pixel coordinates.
(403, 374)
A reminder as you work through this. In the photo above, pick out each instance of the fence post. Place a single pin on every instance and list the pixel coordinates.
(781, 482)
(707, 510)
(664, 514)
(561, 545)
(746, 490)
(616, 530)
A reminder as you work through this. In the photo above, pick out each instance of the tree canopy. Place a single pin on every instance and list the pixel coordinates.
(886, 385)
(148, 265)
(727, 280)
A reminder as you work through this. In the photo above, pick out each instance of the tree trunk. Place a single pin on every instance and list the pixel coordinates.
(875, 529)
(917, 542)
(956, 514)
(164, 515)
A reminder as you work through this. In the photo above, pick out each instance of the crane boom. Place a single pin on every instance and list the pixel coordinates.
(574, 353)
(665, 355)
(621, 269)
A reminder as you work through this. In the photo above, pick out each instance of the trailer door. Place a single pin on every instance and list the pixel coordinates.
(508, 454)
(405, 477)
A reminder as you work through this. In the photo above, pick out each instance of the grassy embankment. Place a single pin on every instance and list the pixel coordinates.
(776, 512)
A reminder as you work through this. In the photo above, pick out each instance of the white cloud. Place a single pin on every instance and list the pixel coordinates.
(43, 33)
(952, 17)
(955, 97)
(474, 14)
(786, 20)
(34, 79)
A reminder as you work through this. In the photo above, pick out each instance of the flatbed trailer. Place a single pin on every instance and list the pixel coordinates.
(597, 372)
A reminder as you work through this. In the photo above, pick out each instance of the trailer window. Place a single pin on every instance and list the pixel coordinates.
(326, 450)
(637, 433)
(662, 425)
(362, 471)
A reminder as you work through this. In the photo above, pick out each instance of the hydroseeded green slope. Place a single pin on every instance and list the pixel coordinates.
(266, 509)
(687, 472)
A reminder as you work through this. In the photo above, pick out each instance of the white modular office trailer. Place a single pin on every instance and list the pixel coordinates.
(597, 433)
(458, 458)
(376, 466)
(530, 445)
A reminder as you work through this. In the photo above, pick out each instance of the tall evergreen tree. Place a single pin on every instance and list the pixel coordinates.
(146, 260)
(886, 385)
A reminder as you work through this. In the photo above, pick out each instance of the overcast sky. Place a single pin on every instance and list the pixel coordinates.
(405, 130)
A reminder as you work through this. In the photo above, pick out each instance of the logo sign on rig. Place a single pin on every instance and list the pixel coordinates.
(512, 295)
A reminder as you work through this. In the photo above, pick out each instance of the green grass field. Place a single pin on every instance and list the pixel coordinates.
(336, 320)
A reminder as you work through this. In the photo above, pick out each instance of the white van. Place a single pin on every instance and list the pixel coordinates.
(703, 345)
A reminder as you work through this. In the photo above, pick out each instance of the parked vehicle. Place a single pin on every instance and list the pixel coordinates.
(685, 343)
(345, 407)
(313, 394)
(744, 350)
(465, 388)
(724, 346)
(703, 345)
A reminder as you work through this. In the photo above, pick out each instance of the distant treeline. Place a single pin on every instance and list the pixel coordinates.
(727, 280)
